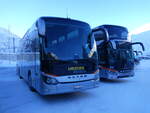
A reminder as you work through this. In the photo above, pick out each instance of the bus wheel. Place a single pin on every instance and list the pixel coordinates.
(18, 73)
(20, 77)
(30, 82)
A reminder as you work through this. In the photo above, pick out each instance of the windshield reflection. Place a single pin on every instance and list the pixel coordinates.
(66, 42)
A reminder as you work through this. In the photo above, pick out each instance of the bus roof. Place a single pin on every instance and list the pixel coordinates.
(64, 20)
(108, 26)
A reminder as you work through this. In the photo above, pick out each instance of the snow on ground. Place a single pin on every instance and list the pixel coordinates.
(128, 95)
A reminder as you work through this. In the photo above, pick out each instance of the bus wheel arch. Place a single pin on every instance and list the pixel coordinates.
(30, 81)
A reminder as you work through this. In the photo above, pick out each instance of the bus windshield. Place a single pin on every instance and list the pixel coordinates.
(66, 41)
(116, 32)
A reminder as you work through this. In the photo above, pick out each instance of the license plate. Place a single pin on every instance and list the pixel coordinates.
(76, 68)
(77, 87)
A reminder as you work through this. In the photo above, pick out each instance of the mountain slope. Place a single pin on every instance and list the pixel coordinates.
(143, 37)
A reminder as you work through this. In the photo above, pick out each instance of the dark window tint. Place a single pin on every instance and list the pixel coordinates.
(116, 32)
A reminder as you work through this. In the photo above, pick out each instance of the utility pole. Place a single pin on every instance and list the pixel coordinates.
(8, 54)
(13, 45)
(67, 14)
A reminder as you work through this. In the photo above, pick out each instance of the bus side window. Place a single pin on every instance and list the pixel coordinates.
(37, 41)
(33, 41)
(28, 45)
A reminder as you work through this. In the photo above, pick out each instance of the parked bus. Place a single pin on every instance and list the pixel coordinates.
(116, 56)
(58, 55)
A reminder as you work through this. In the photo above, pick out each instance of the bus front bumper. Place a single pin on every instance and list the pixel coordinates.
(116, 75)
(68, 87)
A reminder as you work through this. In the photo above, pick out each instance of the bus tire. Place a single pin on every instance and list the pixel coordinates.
(30, 82)
(20, 77)
(18, 73)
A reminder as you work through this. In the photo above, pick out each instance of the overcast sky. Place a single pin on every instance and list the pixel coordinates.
(19, 15)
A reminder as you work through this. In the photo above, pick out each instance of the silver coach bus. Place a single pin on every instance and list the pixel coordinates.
(58, 55)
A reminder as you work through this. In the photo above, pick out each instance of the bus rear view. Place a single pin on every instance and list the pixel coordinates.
(65, 58)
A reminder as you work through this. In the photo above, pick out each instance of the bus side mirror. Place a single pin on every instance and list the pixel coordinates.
(140, 43)
(41, 27)
(86, 50)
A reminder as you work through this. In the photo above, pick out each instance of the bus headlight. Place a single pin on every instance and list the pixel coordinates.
(51, 81)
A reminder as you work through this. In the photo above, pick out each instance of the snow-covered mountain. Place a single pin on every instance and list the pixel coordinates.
(8, 41)
(143, 37)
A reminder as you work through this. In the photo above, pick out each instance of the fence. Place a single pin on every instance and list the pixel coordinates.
(8, 56)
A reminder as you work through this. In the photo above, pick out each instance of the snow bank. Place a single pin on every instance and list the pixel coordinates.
(7, 63)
